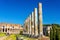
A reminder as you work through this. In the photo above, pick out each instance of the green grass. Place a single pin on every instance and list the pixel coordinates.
(11, 37)
(2, 34)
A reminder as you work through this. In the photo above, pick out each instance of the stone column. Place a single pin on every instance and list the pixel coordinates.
(40, 19)
(32, 23)
(28, 24)
(25, 27)
(36, 21)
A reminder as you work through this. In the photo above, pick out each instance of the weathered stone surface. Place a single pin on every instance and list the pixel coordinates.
(36, 22)
(32, 23)
(40, 19)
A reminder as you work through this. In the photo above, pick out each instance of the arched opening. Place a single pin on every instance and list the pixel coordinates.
(6, 30)
(3, 28)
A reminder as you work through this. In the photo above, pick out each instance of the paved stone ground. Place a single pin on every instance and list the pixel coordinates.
(2, 38)
(44, 38)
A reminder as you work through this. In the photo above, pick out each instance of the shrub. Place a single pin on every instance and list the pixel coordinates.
(21, 32)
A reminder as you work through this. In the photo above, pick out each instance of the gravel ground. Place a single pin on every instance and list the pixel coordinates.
(2, 38)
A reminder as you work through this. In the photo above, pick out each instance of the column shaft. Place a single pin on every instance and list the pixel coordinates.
(40, 19)
(35, 18)
(30, 23)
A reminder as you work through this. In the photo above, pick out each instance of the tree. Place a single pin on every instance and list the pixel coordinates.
(51, 34)
(55, 32)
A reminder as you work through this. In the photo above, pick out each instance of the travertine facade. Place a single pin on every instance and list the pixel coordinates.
(10, 28)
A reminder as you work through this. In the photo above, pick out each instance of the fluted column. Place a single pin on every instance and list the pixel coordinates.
(26, 26)
(30, 24)
(40, 19)
(36, 21)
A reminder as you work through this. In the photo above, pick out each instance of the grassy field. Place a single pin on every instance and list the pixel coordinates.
(11, 37)
(2, 34)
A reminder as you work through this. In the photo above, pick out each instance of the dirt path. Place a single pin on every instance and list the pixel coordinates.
(2, 38)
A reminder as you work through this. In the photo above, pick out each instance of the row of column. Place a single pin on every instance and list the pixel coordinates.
(33, 24)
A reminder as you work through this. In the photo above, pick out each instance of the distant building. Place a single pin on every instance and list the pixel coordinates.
(10, 28)
(46, 29)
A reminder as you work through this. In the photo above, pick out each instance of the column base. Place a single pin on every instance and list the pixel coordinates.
(41, 34)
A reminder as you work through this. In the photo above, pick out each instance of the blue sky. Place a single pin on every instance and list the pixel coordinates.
(16, 11)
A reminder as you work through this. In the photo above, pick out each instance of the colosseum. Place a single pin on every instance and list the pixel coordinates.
(10, 28)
